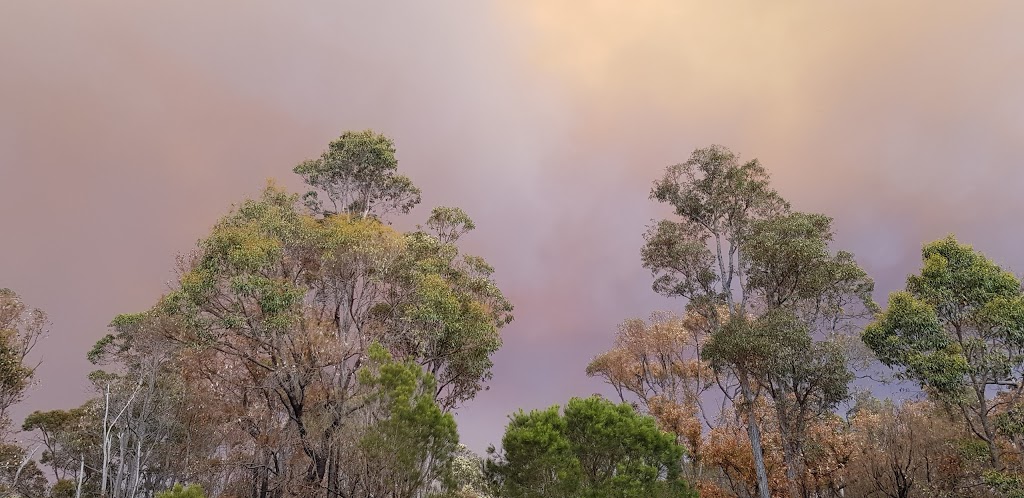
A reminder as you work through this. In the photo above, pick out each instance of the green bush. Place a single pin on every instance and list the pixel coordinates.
(179, 491)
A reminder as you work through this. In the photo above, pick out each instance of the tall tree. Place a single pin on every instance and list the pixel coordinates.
(273, 316)
(697, 256)
(765, 281)
(958, 330)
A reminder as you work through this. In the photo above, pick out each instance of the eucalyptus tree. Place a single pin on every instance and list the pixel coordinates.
(142, 394)
(958, 330)
(765, 281)
(657, 365)
(21, 327)
(358, 176)
(274, 314)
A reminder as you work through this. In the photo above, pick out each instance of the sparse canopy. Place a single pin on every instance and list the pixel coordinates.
(358, 175)
(766, 282)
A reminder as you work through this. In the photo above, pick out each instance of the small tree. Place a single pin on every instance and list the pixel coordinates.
(958, 330)
(179, 491)
(594, 448)
(357, 174)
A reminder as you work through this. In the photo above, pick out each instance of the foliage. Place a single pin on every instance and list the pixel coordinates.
(768, 286)
(958, 330)
(410, 442)
(594, 449)
(255, 374)
(357, 173)
(20, 329)
(308, 348)
(179, 491)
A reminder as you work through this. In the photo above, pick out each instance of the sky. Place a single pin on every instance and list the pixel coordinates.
(128, 128)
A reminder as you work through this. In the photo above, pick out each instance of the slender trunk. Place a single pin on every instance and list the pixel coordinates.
(122, 443)
(990, 435)
(755, 437)
(81, 472)
(24, 462)
(105, 442)
(138, 464)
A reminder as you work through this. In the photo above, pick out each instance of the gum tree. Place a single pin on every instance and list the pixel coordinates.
(765, 281)
(958, 330)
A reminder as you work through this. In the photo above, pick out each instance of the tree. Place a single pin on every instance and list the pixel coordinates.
(409, 443)
(716, 198)
(56, 429)
(910, 449)
(273, 318)
(958, 330)
(357, 174)
(21, 328)
(765, 281)
(658, 364)
(594, 449)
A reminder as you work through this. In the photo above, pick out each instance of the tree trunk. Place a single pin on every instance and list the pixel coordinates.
(990, 433)
(793, 471)
(81, 473)
(105, 442)
(138, 467)
(755, 437)
(122, 443)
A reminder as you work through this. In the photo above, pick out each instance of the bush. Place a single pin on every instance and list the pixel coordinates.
(179, 491)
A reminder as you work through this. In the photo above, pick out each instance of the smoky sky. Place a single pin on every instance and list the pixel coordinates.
(128, 128)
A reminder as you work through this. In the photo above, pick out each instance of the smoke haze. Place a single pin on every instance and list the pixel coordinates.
(128, 128)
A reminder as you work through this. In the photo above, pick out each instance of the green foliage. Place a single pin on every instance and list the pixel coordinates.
(411, 441)
(179, 491)
(594, 449)
(15, 375)
(958, 330)
(1011, 423)
(1007, 484)
(357, 172)
(791, 266)
(716, 197)
(961, 318)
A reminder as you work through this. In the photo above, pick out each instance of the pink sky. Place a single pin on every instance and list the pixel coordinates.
(127, 128)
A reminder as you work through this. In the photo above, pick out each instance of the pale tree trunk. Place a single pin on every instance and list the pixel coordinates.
(790, 452)
(119, 478)
(24, 462)
(754, 432)
(107, 425)
(106, 441)
(138, 464)
(81, 473)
